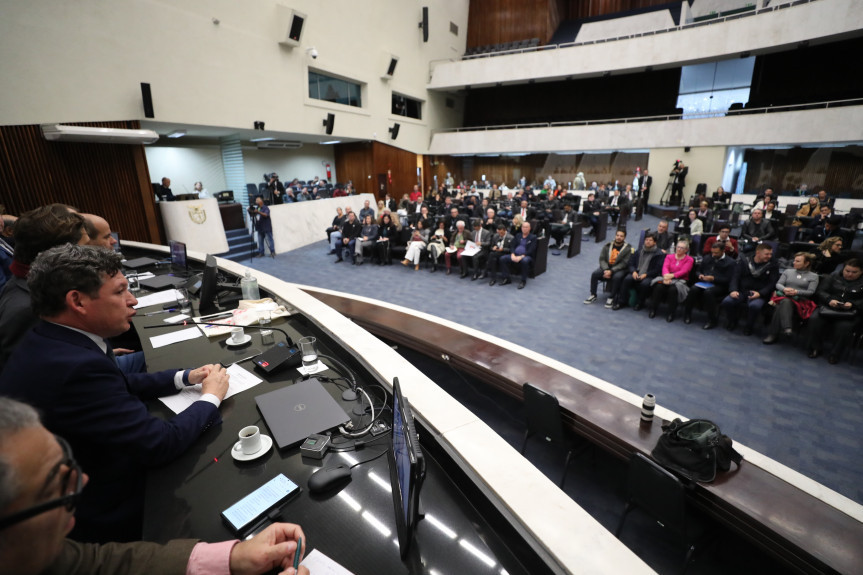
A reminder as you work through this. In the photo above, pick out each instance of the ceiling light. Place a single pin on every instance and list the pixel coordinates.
(177, 134)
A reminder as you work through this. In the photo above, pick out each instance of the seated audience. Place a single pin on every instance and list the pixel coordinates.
(560, 229)
(500, 246)
(824, 199)
(664, 239)
(671, 286)
(840, 305)
(416, 245)
(387, 235)
(721, 196)
(437, 244)
(367, 210)
(591, 210)
(810, 210)
(457, 242)
(335, 226)
(522, 253)
(696, 227)
(830, 228)
(751, 286)
(367, 237)
(755, 230)
(35, 231)
(482, 238)
(794, 292)
(81, 296)
(351, 230)
(645, 265)
(613, 263)
(41, 486)
(724, 237)
(712, 281)
(617, 205)
(828, 257)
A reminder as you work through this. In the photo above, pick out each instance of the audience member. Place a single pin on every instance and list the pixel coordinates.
(755, 230)
(840, 299)
(713, 279)
(696, 227)
(500, 246)
(81, 296)
(830, 228)
(824, 199)
(645, 265)
(591, 209)
(613, 263)
(522, 253)
(794, 291)
(264, 227)
(724, 237)
(367, 210)
(664, 238)
(751, 286)
(458, 241)
(335, 226)
(828, 257)
(721, 196)
(416, 244)
(41, 485)
(811, 210)
(482, 238)
(617, 205)
(368, 236)
(350, 232)
(387, 236)
(678, 182)
(560, 229)
(671, 286)
(35, 231)
(437, 244)
(275, 193)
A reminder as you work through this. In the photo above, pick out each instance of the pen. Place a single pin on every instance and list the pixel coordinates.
(297, 553)
(162, 311)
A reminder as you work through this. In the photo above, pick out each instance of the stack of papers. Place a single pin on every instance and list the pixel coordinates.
(241, 380)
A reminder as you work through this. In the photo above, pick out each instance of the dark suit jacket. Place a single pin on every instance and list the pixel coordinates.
(85, 398)
(165, 194)
(16, 317)
(131, 558)
(529, 248)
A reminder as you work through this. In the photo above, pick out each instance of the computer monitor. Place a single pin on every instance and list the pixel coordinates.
(116, 237)
(178, 255)
(407, 469)
(209, 287)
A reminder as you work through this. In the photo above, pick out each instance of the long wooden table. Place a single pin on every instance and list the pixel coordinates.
(801, 530)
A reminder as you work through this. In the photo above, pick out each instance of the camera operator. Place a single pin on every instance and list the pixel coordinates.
(678, 183)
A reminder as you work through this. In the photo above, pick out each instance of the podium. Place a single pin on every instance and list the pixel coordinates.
(196, 223)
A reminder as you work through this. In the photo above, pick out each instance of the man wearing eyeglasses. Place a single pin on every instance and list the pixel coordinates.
(40, 484)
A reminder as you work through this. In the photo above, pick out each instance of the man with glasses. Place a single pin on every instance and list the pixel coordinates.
(40, 485)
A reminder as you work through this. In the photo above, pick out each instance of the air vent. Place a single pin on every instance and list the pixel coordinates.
(279, 145)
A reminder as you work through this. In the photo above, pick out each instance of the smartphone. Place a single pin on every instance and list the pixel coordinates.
(244, 515)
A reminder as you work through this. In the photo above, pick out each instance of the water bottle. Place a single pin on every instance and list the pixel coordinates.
(249, 284)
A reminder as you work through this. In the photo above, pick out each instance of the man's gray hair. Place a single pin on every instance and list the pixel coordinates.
(14, 416)
(61, 269)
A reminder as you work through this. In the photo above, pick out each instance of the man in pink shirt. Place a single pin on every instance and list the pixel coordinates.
(40, 483)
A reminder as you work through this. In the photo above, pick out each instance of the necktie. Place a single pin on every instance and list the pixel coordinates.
(110, 353)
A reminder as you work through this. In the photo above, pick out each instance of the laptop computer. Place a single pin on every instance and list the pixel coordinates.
(156, 283)
(299, 410)
(139, 263)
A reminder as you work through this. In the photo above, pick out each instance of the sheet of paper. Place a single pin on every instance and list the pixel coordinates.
(319, 564)
(174, 337)
(176, 318)
(241, 380)
(157, 298)
(312, 368)
(470, 249)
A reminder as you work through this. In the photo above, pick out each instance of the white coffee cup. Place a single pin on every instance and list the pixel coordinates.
(250, 439)
(236, 334)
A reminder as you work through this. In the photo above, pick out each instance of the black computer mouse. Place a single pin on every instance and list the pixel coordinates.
(327, 478)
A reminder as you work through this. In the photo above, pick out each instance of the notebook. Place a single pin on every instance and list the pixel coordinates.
(139, 263)
(161, 282)
(299, 410)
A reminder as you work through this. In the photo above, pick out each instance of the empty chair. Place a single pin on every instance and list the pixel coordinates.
(542, 412)
(660, 494)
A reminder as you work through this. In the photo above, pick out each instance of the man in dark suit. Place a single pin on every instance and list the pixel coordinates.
(560, 229)
(617, 205)
(644, 183)
(275, 190)
(522, 252)
(525, 211)
(499, 247)
(452, 221)
(591, 210)
(164, 191)
(482, 238)
(83, 298)
(42, 484)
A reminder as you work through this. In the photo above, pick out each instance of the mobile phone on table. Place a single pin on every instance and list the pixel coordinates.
(246, 514)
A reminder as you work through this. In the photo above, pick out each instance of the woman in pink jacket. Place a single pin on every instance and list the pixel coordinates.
(671, 285)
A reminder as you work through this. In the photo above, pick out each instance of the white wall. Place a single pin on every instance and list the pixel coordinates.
(185, 166)
(763, 32)
(304, 163)
(85, 60)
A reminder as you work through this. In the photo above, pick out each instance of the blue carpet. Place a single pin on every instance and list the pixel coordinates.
(804, 413)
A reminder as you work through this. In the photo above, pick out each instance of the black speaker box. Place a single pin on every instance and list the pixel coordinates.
(425, 24)
(147, 97)
(329, 122)
(394, 131)
(296, 30)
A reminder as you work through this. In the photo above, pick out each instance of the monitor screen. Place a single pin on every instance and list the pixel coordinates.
(178, 255)
(116, 237)
(407, 469)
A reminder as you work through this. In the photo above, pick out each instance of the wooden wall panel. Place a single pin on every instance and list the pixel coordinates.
(111, 180)
(354, 163)
(498, 21)
(839, 170)
(363, 162)
(401, 167)
(581, 9)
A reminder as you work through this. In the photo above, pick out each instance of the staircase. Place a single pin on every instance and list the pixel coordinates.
(239, 245)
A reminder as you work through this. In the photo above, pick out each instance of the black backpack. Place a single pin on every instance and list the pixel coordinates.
(695, 449)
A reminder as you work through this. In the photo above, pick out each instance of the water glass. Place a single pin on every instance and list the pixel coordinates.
(184, 302)
(264, 321)
(309, 351)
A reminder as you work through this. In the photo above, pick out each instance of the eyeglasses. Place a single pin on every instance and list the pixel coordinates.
(69, 501)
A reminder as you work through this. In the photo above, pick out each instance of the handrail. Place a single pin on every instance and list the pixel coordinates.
(719, 18)
(658, 118)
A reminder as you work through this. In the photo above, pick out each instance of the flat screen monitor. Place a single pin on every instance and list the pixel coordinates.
(178, 255)
(209, 287)
(407, 469)
(116, 237)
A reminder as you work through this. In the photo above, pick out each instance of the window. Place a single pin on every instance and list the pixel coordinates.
(330, 89)
(408, 107)
(710, 89)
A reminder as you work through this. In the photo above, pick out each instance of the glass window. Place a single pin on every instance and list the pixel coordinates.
(710, 89)
(336, 90)
(408, 107)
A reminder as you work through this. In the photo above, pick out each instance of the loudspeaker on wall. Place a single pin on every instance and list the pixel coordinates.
(329, 122)
(394, 131)
(147, 98)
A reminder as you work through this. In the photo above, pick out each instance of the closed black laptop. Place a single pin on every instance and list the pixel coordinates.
(295, 412)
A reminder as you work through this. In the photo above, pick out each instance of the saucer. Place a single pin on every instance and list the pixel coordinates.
(237, 452)
(231, 343)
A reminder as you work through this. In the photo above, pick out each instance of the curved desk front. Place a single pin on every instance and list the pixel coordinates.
(487, 509)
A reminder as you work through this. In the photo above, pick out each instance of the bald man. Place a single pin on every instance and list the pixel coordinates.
(99, 231)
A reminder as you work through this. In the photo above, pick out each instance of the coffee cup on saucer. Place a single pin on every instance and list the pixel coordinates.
(237, 335)
(250, 439)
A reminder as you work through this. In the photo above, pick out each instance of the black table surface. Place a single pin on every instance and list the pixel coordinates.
(354, 524)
